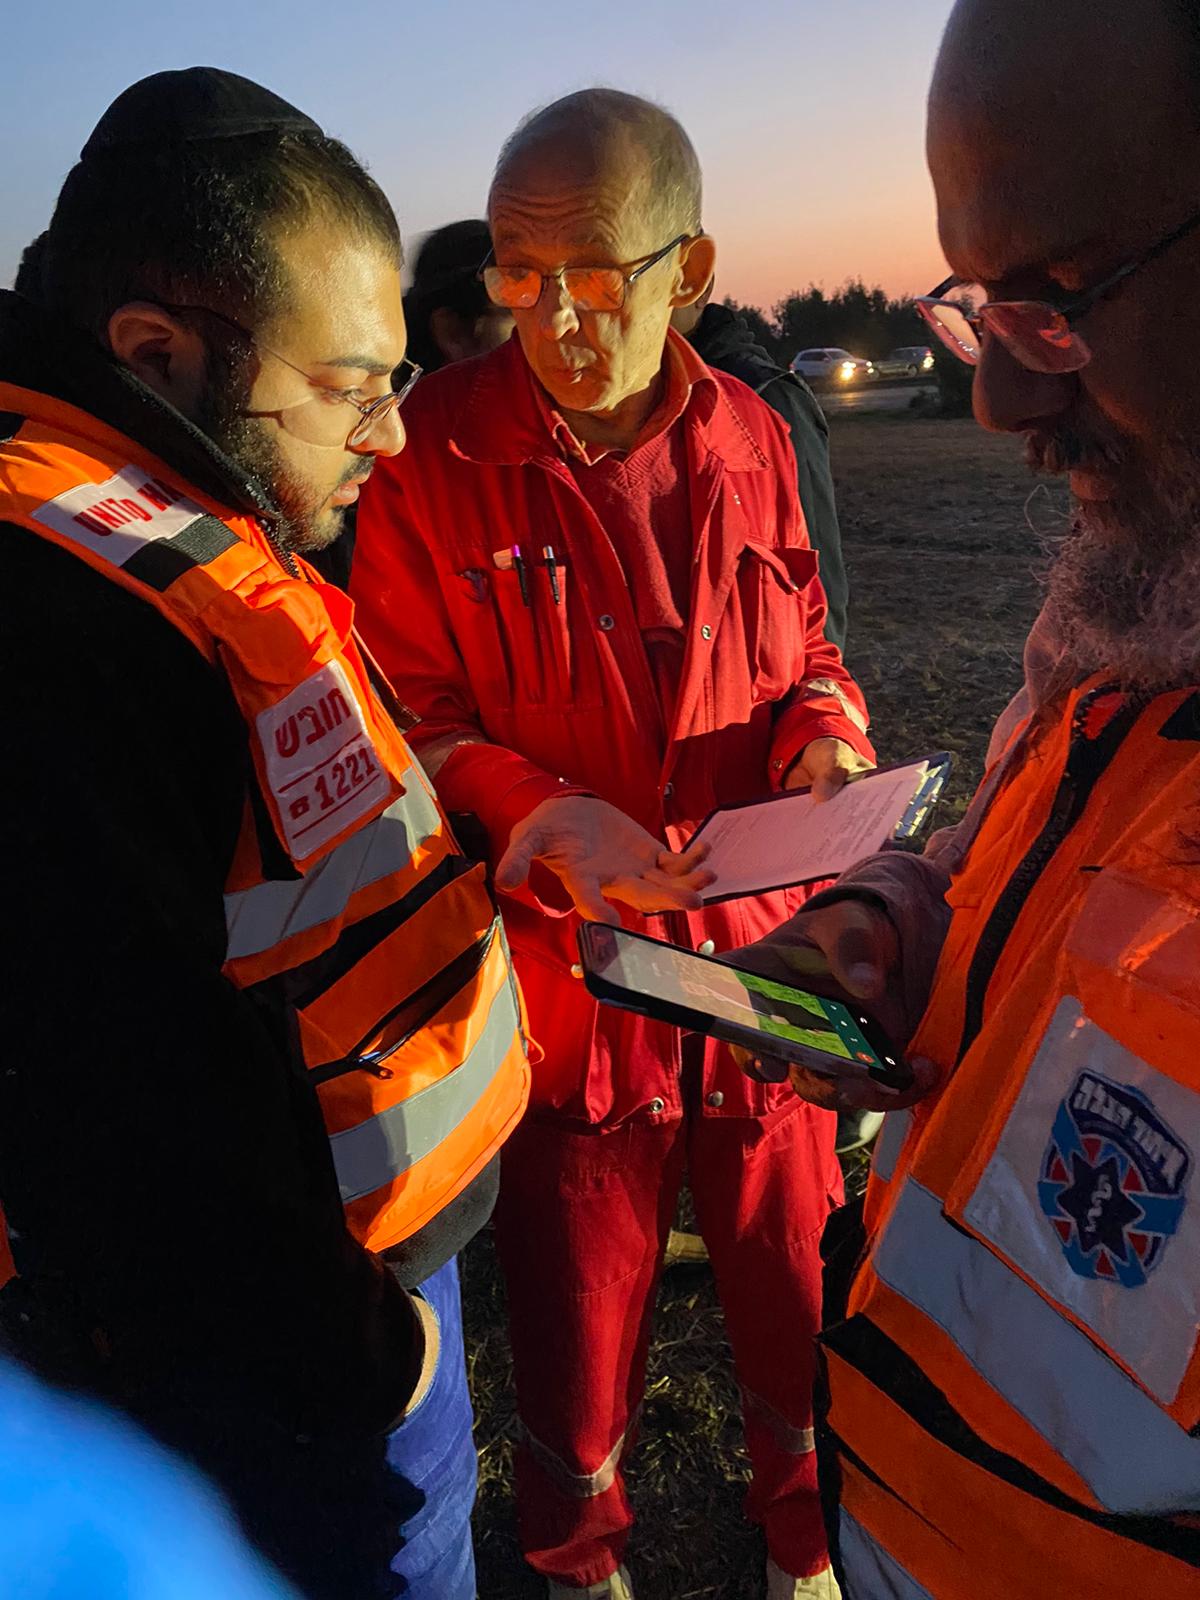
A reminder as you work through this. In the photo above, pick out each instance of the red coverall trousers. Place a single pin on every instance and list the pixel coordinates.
(581, 1225)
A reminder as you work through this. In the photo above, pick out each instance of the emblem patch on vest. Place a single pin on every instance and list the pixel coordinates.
(1112, 1181)
(320, 759)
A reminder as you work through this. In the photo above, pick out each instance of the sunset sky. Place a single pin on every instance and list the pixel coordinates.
(807, 113)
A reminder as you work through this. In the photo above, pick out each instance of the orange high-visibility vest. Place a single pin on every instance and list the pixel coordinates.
(1015, 1392)
(359, 913)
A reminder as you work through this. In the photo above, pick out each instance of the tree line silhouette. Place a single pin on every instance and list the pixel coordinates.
(855, 318)
(864, 321)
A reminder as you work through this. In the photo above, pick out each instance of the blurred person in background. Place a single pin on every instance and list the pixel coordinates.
(1013, 1363)
(262, 1041)
(449, 314)
(591, 578)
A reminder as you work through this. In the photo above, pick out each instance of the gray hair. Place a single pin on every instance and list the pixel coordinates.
(602, 118)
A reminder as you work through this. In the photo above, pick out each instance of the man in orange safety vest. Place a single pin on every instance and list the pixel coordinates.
(1014, 1383)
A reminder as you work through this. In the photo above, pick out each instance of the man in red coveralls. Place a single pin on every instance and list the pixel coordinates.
(589, 575)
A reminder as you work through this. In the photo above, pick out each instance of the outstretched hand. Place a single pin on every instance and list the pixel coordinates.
(600, 856)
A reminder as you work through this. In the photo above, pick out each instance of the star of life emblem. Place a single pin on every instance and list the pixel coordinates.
(1113, 1181)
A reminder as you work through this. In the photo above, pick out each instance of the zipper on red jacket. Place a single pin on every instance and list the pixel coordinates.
(1087, 760)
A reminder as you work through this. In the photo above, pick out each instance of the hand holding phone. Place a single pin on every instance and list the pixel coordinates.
(764, 1018)
(848, 948)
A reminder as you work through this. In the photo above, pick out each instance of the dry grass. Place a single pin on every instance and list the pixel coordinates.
(936, 520)
(941, 560)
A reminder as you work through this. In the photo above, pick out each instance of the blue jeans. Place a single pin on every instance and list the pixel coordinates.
(433, 1452)
(387, 1518)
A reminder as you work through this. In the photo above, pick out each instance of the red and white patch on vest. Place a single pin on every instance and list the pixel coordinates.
(120, 516)
(320, 760)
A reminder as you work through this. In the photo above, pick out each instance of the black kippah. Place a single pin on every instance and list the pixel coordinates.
(191, 105)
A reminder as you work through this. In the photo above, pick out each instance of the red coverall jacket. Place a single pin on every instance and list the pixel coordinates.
(526, 699)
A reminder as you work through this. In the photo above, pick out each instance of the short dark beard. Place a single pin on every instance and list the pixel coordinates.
(250, 444)
(1124, 586)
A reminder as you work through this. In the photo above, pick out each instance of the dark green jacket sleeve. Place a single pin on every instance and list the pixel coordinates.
(797, 405)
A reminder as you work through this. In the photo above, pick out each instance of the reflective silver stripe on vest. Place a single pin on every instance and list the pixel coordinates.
(389, 1143)
(1131, 1454)
(888, 1145)
(871, 1573)
(260, 918)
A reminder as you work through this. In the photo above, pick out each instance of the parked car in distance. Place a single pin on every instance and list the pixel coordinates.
(832, 366)
(910, 361)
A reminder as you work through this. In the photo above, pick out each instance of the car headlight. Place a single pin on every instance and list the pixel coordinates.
(927, 364)
(847, 369)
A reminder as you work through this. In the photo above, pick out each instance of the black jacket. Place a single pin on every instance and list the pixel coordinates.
(723, 340)
(163, 1163)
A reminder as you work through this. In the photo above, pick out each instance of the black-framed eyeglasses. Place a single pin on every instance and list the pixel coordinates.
(1041, 334)
(314, 419)
(587, 288)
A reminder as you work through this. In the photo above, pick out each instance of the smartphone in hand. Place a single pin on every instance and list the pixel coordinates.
(705, 995)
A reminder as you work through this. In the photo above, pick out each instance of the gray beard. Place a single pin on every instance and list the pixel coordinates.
(1123, 591)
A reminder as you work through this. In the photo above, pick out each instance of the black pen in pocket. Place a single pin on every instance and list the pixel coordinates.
(518, 561)
(551, 561)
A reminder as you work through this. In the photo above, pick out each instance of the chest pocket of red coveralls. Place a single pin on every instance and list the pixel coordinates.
(771, 589)
(538, 657)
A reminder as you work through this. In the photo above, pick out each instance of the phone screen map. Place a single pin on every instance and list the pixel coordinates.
(744, 998)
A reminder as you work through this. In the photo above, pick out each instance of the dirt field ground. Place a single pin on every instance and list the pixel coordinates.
(935, 518)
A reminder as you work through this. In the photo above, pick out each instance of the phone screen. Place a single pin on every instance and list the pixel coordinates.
(663, 972)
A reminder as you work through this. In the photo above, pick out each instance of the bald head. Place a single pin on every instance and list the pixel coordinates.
(600, 182)
(599, 134)
(1064, 142)
(1079, 114)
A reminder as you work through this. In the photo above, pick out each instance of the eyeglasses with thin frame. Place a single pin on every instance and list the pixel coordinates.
(1041, 334)
(587, 288)
(301, 419)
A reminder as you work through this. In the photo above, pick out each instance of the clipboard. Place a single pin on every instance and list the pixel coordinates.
(798, 841)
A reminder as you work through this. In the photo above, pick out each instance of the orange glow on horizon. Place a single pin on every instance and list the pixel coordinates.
(866, 213)
(773, 266)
